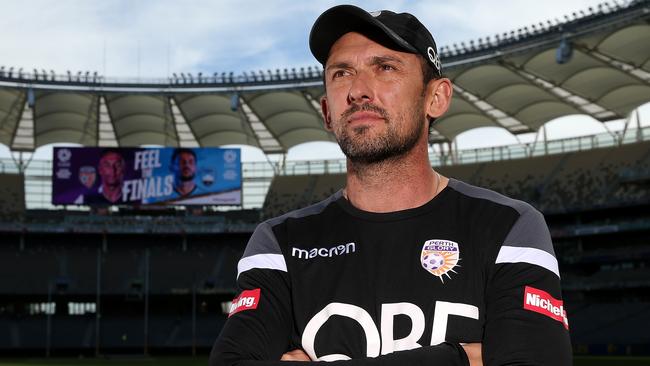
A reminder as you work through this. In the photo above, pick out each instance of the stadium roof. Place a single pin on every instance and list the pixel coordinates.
(595, 62)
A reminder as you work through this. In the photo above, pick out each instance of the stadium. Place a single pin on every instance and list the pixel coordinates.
(156, 281)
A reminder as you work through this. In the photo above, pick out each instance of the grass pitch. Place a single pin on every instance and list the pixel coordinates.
(109, 361)
(610, 361)
(203, 361)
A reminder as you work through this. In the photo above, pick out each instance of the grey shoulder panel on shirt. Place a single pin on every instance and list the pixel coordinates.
(263, 240)
(530, 229)
(486, 194)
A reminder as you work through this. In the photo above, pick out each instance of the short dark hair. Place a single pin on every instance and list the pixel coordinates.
(110, 150)
(182, 150)
(428, 74)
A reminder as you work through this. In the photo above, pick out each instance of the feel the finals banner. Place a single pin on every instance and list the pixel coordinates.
(137, 176)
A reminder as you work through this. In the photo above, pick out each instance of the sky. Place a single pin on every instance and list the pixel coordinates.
(153, 39)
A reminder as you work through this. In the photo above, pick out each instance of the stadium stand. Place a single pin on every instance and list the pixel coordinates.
(12, 194)
(561, 182)
(611, 327)
(599, 226)
(63, 270)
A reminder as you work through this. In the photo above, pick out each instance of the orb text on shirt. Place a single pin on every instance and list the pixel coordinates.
(386, 342)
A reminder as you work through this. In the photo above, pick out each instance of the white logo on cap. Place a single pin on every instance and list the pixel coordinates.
(433, 56)
(375, 13)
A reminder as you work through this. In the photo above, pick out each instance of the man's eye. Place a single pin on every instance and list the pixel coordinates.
(386, 67)
(339, 73)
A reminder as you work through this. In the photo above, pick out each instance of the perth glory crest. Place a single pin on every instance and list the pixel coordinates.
(439, 257)
(87, 176)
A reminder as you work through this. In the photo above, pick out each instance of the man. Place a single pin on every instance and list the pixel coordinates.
(111, 171)
(184, 163)
(403, 266)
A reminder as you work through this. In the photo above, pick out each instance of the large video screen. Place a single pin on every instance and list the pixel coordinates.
(143, 176)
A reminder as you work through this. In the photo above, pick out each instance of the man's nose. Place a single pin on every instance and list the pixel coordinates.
(361, 89)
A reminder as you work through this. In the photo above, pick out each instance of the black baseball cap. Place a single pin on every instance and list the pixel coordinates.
(401, 31)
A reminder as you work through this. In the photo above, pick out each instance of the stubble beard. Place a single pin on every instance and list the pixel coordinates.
(187, 178)
(362, 149)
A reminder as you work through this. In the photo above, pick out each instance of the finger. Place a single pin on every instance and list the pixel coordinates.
(473, 351)
(295, 355)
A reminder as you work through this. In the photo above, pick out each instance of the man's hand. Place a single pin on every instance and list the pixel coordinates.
(299, 355)
(473, 351)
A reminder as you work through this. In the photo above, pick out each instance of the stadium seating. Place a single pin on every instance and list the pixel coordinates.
(553, 183)
(595, 202)
(598, 324)
(12, 194)
(38, 266)
(288, 192)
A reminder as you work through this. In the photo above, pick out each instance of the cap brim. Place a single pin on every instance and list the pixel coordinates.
(342, 19)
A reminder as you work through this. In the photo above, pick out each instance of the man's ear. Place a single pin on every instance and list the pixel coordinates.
(439, 93)
(327, 117)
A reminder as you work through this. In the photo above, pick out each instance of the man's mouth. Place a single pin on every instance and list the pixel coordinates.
(365, 117)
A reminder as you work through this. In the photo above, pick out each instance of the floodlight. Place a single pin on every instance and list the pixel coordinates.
(564, 51)
(30, 98)
(234, 102)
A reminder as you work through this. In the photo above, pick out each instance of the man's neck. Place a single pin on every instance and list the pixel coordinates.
(395, 184)
(112, 193)
(185, 187)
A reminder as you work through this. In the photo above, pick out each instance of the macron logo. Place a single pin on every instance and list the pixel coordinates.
(247, 300)
(543, 303)
(323, 252)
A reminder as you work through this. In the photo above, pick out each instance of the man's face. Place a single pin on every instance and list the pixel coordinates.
(374, 99)
(186, 166)
(111, 169)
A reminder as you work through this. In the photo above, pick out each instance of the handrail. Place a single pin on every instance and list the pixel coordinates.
(534, 36)
(257, 175)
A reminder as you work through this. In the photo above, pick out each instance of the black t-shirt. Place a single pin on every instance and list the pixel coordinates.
(97, 198)
(400, 288)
